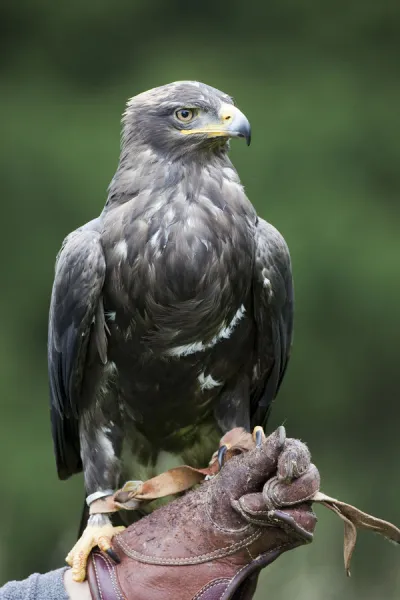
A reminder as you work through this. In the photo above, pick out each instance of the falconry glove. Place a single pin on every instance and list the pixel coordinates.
(212, 543)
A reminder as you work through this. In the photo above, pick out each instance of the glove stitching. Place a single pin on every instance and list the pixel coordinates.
(195, 560)
(249, 553)
(97, 579)
(245, 514)
(111, 573)
(274, 498)
(208, 587)
(256, 512)
(259, 522)
(244, 507)
(284, 503)
(281, 547)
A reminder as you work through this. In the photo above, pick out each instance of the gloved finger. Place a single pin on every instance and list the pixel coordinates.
(277, 494)
(298, 521)
(249, 472)
(293, 461)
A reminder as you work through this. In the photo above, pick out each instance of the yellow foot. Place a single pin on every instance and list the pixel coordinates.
(258, 435)
(94, 535)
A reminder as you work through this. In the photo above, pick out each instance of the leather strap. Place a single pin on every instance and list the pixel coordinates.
(174, 481)
(168, 483)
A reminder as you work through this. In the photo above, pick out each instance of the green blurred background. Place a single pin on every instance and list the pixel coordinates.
(320, 84)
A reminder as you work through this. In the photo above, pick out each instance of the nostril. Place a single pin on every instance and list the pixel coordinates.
(227, 117)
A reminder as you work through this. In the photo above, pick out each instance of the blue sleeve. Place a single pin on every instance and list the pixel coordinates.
(49, 586)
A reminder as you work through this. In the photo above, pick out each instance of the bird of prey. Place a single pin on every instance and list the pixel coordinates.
(171, 313)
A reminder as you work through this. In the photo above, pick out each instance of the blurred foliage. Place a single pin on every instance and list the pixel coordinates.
(320, 83)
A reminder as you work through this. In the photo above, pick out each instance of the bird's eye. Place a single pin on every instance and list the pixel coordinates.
(185, 114)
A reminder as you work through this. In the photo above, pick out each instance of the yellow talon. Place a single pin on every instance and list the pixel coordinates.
(258, 435)
(93, 536)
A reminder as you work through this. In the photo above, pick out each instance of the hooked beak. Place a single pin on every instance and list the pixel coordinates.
(235, 123)
(231, 123)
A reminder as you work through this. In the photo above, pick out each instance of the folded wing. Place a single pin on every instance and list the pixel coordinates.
(76, 323)
(273, 314)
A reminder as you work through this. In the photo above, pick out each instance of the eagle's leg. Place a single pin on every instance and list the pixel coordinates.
(99, 532)
(101, 448)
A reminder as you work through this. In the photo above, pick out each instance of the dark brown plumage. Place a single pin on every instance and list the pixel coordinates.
(171, 313)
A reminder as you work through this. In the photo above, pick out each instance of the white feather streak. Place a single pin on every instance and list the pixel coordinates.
(224, 333)
(207, 382)
(121, 249)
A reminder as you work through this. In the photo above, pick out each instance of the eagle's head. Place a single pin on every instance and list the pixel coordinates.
(182, 117)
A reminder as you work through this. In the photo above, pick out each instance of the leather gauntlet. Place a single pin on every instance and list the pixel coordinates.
(212, 543)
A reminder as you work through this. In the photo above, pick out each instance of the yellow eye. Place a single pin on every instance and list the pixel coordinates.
(185, 114)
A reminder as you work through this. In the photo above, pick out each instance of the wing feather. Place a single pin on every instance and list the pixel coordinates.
(273, 314)
(76, 303)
